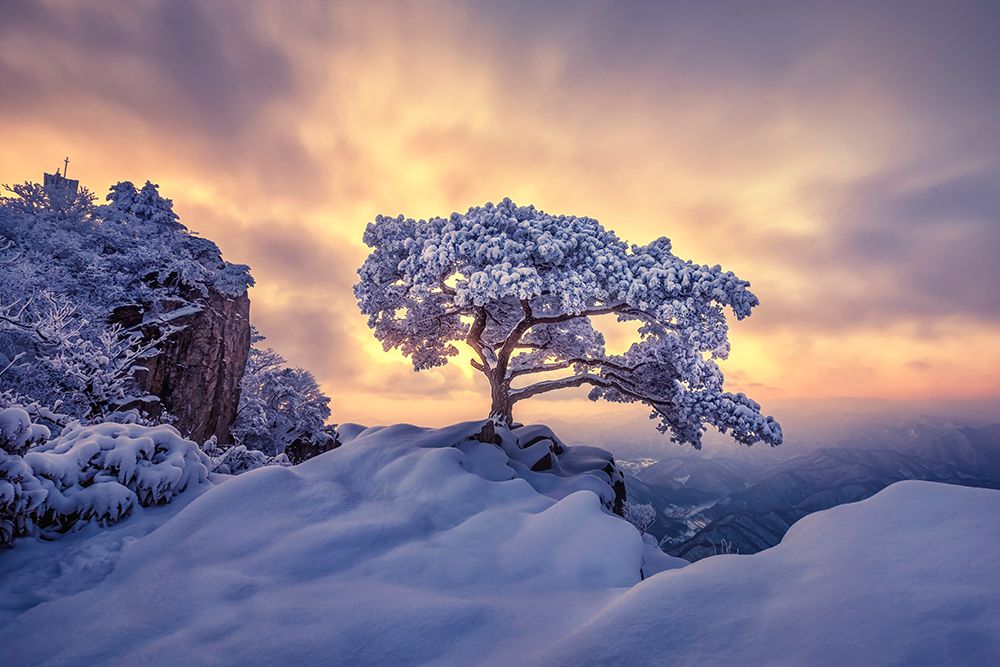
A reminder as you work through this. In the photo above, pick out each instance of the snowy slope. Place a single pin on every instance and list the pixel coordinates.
(907, 577)
(400, 549)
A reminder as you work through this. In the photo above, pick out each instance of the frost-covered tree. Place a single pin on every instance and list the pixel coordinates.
(520, 287)
(68, 267)
(280, 405)
(640, 515)
(93, 372)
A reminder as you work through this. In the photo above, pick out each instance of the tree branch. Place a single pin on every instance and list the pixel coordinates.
(475, 337)
(544, 368)
(552, 385)
(586, 378)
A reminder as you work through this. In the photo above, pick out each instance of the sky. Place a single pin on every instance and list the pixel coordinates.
(843, 157)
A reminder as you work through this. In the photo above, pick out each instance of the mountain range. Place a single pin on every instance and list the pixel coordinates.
(716, 505)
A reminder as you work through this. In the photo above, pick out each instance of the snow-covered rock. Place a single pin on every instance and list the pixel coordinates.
(402, 548)
(112, 307)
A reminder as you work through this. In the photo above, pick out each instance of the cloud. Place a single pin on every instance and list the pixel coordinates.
(842, 158)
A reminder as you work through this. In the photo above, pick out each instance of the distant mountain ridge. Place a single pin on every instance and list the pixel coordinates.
(710, 506)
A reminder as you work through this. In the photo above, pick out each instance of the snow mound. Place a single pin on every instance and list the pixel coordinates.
(402, 546)
(413, 546)
(907, 577)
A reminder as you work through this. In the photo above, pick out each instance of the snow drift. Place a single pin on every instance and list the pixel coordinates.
(414, 546)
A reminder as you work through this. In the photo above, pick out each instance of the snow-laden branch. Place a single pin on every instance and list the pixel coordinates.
(100, 369)
(532, 283)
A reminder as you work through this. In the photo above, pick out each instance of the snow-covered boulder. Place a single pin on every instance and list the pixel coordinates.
(535, 454)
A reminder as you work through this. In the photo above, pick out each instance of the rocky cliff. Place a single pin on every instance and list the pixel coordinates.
(196, 376)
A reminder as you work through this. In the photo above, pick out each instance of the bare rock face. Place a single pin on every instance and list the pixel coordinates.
(197, 374)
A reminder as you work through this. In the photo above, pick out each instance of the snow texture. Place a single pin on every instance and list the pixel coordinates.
(401, 548)
(907, 577)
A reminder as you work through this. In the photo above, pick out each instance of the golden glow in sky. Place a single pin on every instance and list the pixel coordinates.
(841, 166)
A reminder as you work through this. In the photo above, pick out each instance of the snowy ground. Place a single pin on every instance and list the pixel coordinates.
(397, 549)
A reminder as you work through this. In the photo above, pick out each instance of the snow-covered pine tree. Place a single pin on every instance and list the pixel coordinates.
(282, 408)
(520, 287)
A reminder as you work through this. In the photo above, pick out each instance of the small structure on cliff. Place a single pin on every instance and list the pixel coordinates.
(59, 188)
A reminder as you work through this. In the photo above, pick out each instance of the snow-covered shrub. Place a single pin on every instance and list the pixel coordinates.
(314, 444)
(281, 407)
(101, 471)
(520, 287)
(640, 515)
(92, 369)
(724, 547)
(21, 495)
(238, 459)
(18, 432)
(97, 472)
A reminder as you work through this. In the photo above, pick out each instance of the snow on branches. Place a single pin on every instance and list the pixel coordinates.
(519, 286)
(89, 473)
(95, 371)
(281, 406)
(68, 267)
(640, 515)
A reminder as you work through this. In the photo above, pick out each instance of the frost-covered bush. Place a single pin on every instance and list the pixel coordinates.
(98, 472)
(640, 515)
(238, 459)
(520, 287)
(101, 471)
(91, 369)
(18, 432)
(281, 408)
(67, 265)
(21, 496)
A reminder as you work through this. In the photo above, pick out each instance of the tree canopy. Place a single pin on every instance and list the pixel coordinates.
(520, 287)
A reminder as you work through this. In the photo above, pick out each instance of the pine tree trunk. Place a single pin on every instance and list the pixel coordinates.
(501, 408)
